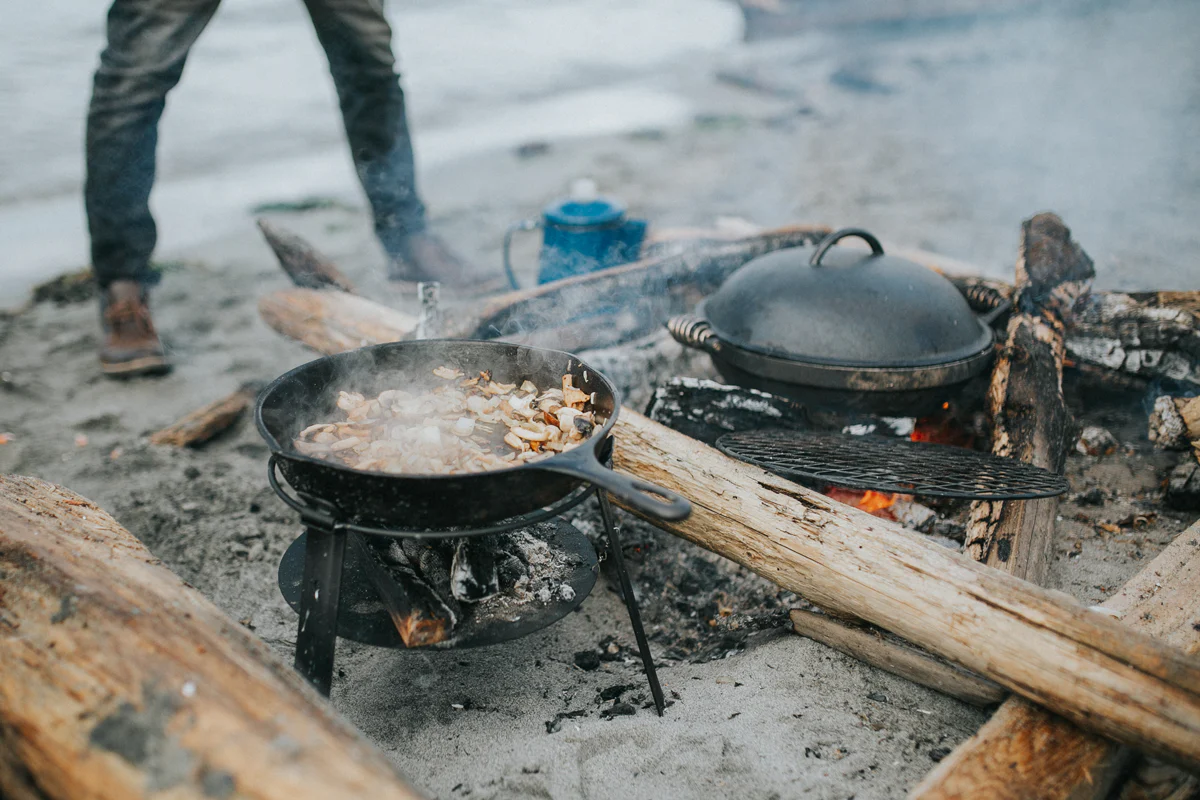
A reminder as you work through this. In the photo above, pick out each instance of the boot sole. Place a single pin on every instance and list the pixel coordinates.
(147, 365)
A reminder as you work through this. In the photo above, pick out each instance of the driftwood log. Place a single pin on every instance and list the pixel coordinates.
(204, 423)
(1042, 645)
(891, 654)
(331, 321)
(1029, 416)
(305, 265)
(118, 680)
(1024, 751)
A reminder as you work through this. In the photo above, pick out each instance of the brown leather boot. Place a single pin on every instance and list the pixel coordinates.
(131, 345)
(425, 257)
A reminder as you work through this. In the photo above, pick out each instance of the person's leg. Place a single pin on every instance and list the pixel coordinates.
(148, 43)
(358, 42)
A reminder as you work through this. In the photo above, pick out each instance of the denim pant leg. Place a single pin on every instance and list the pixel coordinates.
(148, 43)
(358, 42)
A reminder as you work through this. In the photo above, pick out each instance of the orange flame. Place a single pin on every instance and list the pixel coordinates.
(875, 503)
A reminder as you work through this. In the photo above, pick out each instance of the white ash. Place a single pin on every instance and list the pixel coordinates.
(737, 397)
(549, 568)
(1096, 441)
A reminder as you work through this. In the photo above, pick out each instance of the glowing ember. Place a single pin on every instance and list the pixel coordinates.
(942, 428)
(875, 503)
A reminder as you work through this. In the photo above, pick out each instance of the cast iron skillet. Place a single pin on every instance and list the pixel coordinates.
(308, 394)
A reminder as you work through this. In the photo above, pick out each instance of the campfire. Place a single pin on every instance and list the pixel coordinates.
(409, 560)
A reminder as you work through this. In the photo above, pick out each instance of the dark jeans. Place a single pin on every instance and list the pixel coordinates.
(148, 43)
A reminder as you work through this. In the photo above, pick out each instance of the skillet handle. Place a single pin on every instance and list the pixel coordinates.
(833, 238)
(643, 496)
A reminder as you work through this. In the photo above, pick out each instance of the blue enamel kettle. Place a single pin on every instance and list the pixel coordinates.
(581, 233)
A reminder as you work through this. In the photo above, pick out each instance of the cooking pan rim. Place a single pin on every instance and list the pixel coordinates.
(589, 450)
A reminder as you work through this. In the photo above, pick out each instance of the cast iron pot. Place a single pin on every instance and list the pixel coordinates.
(308, 394)
(840, 328)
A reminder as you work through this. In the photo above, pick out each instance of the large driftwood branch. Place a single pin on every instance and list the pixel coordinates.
(1024, 751)
(118, 680)
(330, 321)
(891, 654)
(1029, 416)
(1040, 644)
(305, 265)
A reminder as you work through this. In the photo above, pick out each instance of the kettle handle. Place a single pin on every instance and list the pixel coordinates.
(830, 240)
(523, 225)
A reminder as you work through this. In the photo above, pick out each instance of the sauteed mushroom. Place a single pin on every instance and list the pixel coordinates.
(464, 425)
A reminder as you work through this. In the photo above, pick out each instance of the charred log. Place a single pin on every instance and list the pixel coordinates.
(1149, 334)
(421, 616)
(1028, 413)
(473, 574)
(706, 410)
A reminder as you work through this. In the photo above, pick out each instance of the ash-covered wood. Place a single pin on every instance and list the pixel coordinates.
(120, 680)
(1024, 751)
(305, 265)
(1175, 423)
(473, 575)
(1183, 487)
(1029, 416)
(1041, 644)
(421, 615)
(206, 422)
(1149, 334)
(706, 410)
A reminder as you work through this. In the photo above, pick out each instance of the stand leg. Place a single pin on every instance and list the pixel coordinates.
(635, 617)
(324, 553)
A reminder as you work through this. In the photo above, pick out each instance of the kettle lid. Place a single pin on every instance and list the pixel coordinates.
(840, 307)
(584, 207)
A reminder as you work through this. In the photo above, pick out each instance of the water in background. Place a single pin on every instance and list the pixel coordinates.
(255, 116)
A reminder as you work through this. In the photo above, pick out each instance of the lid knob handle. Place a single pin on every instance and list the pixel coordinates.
(832, 239)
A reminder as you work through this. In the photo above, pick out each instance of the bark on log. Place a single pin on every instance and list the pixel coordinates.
(304, 264)
(1042, 645)
(891, 654)
(1024, 751)
(120, 680)
(330, 321)
(1029, 416)
(204, 423)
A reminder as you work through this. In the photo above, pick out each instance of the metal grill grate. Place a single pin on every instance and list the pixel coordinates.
(891, 465)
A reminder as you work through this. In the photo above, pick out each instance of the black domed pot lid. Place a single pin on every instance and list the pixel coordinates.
(844, 307)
